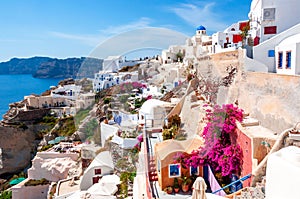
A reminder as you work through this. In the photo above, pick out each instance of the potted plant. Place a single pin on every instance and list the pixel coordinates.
(168, 189)
(185, 183)
(176, 185)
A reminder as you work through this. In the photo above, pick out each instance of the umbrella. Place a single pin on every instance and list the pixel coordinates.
(88, 195)
(110, 179)
(16, 181)
(51, 142)
(199, 188)
(59, 139)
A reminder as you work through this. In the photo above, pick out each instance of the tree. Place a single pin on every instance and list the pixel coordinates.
(244, 33)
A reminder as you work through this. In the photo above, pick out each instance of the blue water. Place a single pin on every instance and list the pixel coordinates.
(13, 88)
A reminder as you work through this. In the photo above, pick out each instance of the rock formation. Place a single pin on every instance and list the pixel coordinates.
(46, 67)
(17, 147)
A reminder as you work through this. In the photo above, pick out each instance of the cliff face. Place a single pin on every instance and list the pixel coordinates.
(17, 147)
(45, 67)
(22, 66)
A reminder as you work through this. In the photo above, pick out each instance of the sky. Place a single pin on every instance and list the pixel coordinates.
(75, 28)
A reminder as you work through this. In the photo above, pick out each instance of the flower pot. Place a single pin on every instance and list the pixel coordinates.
(185, 188)
(176, 190)
(168, 190)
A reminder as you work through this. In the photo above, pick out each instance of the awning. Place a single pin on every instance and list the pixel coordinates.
(16, 181)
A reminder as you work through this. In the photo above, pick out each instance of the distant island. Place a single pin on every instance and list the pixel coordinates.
(46, 67)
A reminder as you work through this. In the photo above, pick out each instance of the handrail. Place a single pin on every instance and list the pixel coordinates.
(239, 180)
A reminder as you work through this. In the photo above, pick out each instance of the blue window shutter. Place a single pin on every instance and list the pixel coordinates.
(271, 53)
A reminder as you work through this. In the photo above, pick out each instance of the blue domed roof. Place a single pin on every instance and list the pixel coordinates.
(201, 28)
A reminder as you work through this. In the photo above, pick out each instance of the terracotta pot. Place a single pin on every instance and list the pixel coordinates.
(185, 188)
(169, 191)
(176, 190)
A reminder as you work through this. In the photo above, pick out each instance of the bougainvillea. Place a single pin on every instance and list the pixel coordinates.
(137, 146)
(127, 87)
(220, 149)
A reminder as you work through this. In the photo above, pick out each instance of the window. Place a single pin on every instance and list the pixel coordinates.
(158, 166)
(174, 170)
(280, 60)
(270, 30)
(271, 53)
(288, 59)
(97, 171)
(96, 179)
(194, 170)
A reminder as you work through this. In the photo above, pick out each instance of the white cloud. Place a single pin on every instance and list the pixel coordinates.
(201, 14)
(90, 40)
(117, 40)
(139, 39)
(93, 40)
(141, 23)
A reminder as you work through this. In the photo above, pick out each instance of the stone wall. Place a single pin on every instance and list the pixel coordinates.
(17, 149)
(271, 98)
(31, 115)
(29, 192)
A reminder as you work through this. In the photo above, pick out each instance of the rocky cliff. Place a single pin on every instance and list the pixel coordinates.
(22, 66)
(46, 67)
(17, 147)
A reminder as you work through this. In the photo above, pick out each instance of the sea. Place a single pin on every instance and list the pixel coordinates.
(13, 88)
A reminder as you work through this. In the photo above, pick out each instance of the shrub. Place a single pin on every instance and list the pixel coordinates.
(220, 149)
(7, 194)
(174, 120)
(33, 182)
(106, 100)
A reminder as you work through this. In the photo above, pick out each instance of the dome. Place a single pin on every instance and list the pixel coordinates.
(201, 28)
(149, 105)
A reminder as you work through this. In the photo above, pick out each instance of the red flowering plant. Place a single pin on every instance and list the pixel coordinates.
(220, 149)
(137, 146)
(127, 87)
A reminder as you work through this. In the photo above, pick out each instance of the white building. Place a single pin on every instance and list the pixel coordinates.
(171, 55)
(70, 91)
(230, 39)
(199, 44)
(275, 28)
(153, 113)
(152, 91)
(104, 80)
(271, 17)
(115, 63)
(100, 166)
(282, 175)
(85, 100)
(112, 63)
(53, 166)
(287, 56)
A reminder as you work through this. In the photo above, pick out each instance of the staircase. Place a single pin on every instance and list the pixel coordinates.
(152, 170)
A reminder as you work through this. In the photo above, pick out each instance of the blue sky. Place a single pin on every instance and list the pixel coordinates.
(73, 28)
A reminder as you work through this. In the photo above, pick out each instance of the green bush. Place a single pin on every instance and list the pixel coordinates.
(23, 126)
(107, 100)
(7, 194)
(45, 148)
(49, 120)
(174, 120)
(33, 182)
(66, 126)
